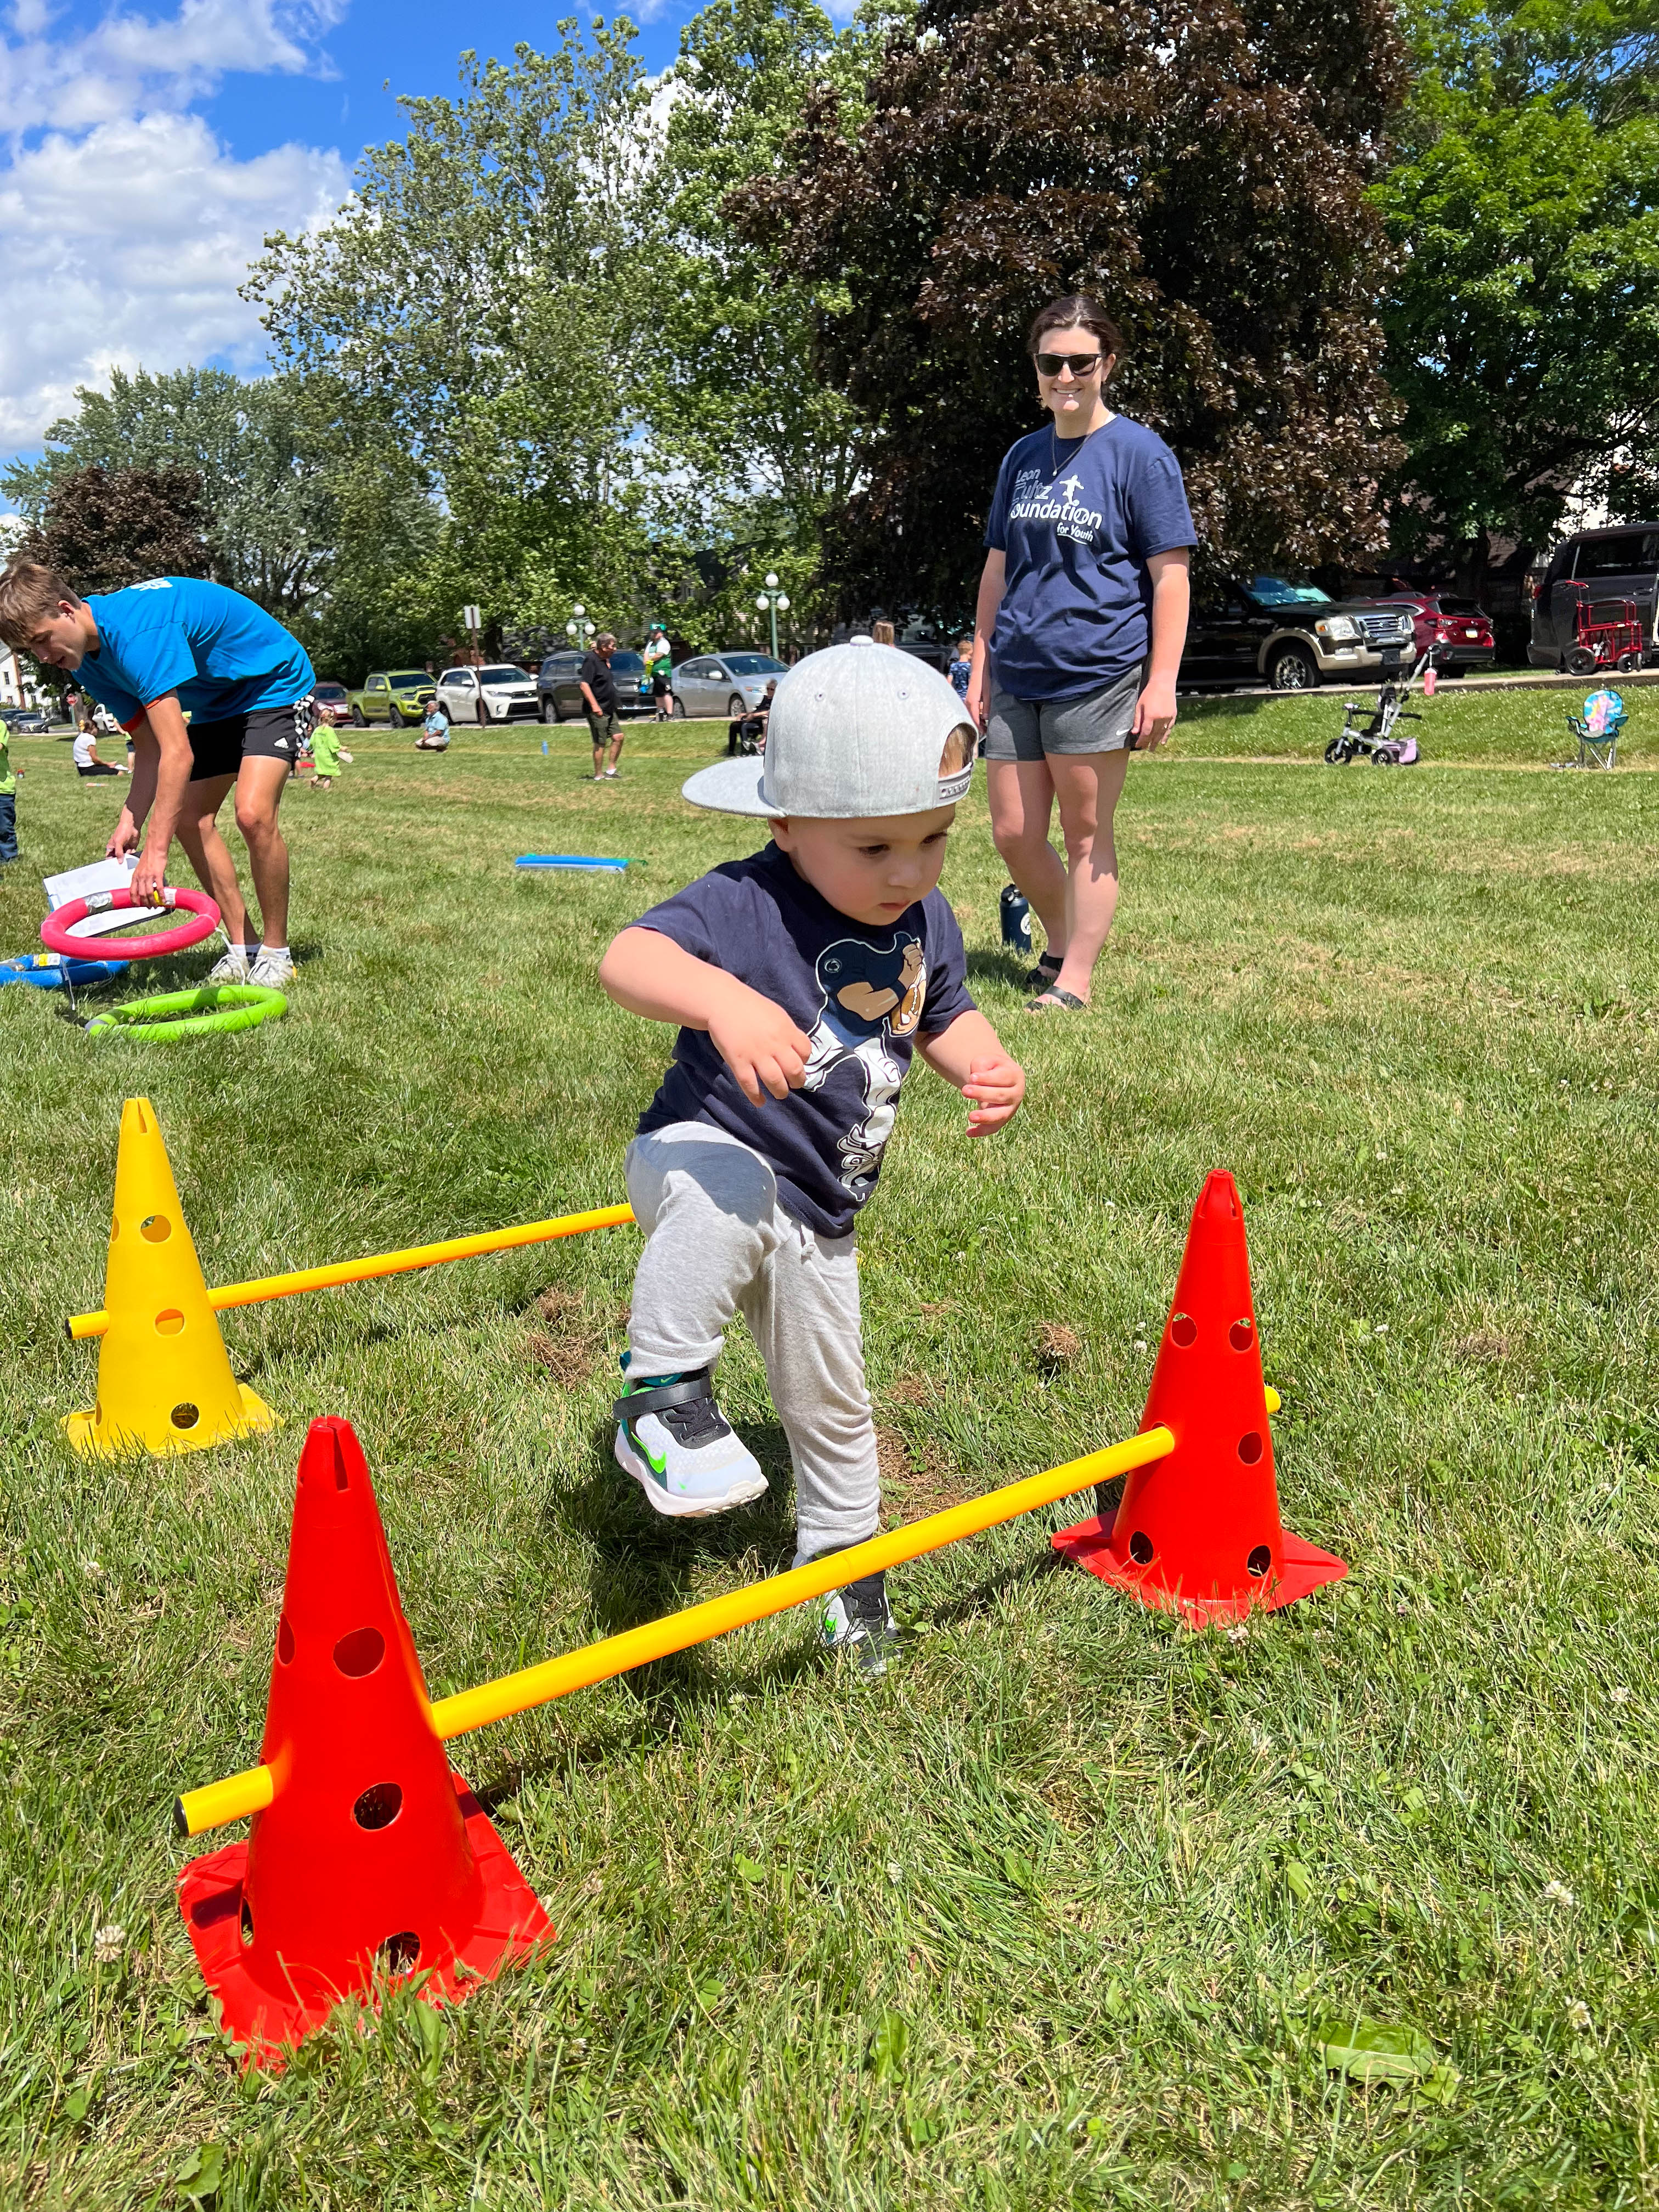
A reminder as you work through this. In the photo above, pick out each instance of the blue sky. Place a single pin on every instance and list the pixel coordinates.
(147, 146)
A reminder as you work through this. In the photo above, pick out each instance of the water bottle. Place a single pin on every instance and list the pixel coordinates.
(1016, 920)
(544, 748)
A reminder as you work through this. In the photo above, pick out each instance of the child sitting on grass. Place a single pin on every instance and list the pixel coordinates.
(802, 980)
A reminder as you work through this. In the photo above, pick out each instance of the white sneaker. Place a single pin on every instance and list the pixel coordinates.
(683, 1453)
(271, 971)
(859, 1620)
(231, 966)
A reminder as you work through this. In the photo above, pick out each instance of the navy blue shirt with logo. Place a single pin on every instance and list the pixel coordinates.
(1077, 520)
(864, 994)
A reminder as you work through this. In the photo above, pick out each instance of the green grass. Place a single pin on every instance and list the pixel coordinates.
(1047, 1916)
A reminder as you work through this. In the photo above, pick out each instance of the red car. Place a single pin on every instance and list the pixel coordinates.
(332, 704)
(1459, 629)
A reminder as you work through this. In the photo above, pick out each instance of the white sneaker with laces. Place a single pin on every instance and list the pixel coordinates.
(859, 1620)
(679, 1448)
(231, 966)
(271, 971)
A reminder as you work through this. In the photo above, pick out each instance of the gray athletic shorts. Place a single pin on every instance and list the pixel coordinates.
(1026, 729)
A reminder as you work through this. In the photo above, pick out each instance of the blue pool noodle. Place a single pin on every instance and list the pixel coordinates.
(564, 860)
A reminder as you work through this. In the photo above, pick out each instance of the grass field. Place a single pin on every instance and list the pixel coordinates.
(1051, 1915)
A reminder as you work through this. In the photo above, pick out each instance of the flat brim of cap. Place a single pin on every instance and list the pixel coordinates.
(730, 786)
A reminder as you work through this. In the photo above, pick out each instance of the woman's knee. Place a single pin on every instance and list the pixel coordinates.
(256, 822)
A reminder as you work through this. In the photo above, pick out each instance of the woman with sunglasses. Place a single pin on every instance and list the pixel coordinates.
(1081, 619)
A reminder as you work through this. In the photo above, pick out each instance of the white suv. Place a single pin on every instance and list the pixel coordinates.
(500, 694)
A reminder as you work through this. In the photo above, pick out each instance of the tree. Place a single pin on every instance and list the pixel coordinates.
(1203, 173)
(752, 448)
(269, 519)
(104, 529)
(474, 310)
(1523, 323)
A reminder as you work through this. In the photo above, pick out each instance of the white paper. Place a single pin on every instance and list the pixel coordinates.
(81, 882)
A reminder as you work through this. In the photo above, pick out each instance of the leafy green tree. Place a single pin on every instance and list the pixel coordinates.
(1205, 171)
(267, 514)
(750, 447)
(473, 310)
(1523, 319)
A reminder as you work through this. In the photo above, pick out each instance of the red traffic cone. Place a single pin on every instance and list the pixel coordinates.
(373, 1855)
(1198, 1530)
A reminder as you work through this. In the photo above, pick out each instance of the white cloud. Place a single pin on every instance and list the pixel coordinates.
(129, 226)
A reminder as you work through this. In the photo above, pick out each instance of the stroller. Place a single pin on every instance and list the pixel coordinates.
(1597, 729)
(1370, 731)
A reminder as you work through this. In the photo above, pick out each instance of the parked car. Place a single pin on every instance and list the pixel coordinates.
(333, 703)
(1460, 630)
(559, 689)
(500, 694)
(1617, 564)
(397, 697)
(723, 685)
(25, 721)
(1290, 633)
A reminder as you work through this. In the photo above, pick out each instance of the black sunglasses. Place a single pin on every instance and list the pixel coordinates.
(1081, 364)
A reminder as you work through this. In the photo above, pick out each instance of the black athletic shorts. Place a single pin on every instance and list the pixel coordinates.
(267, 733)
(660, 687)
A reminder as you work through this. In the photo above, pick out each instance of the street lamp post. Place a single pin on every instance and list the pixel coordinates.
(773, 602)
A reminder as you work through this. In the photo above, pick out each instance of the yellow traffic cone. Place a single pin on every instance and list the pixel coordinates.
(164, 1378)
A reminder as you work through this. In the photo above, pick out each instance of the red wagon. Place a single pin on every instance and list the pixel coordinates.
(1602, 644)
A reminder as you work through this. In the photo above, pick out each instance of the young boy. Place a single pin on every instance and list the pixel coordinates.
(802, 980)
(9, 777)
(962, 667)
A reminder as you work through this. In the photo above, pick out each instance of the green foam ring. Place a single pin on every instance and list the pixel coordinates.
(213, 1010)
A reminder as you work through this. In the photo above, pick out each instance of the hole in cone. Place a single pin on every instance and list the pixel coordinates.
(1140, 1548)
(247, 1921)
(359, 1654)
(185, 1415)
(155, 1228)
(1183, 1331)
(284, 1641)
(1249, 1448)
(378, 1806)
(1260, 1560)
(170, 1322)
(1239, 1335)
(114, 1228)
(401, 1951)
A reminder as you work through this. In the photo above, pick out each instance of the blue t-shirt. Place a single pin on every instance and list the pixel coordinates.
(863, 994)
(1077, 520)
(221, 653)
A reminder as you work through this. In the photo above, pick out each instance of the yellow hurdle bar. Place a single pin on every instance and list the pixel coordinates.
(81, 1325)
(233, 1799)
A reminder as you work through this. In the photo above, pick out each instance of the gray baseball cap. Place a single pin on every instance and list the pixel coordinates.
(855, 731)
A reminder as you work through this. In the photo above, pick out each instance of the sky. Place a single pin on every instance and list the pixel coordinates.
(144, 154)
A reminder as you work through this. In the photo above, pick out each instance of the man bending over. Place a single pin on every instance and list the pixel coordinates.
(151, 654)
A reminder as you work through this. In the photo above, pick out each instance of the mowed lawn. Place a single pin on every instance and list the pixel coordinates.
(1051, 1915)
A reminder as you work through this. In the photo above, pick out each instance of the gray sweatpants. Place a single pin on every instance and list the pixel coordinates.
(718, 1242)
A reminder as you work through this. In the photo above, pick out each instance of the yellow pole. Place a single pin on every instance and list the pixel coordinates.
(233, 1799)
(81, 1325)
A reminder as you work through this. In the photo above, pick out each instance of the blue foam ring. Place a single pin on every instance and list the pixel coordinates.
(47, 970)
(564, 860)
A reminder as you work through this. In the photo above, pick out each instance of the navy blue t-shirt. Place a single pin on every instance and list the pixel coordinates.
(1077, 520)
(863, 994)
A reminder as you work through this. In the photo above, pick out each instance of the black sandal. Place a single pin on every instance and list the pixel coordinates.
(1045, 973)
(1052, 997)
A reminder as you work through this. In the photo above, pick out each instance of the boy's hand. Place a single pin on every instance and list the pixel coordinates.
(760, 1044)
(998, 1085)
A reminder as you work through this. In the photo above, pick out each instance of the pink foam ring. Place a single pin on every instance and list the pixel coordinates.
(204, 921)
(1429, 681)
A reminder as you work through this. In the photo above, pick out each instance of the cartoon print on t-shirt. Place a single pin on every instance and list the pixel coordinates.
(871, 993)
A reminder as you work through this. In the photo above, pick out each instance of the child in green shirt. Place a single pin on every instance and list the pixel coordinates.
(9, 777)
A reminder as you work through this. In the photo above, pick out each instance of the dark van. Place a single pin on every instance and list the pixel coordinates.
(1619, 563)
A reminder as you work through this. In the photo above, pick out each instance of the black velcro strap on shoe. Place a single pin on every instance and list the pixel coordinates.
(661, 1395)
